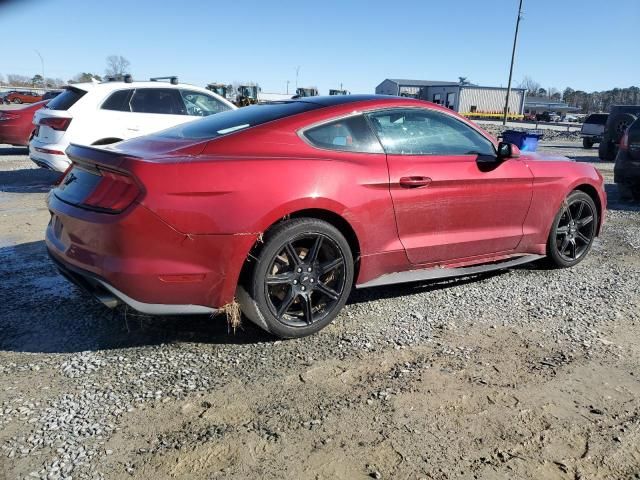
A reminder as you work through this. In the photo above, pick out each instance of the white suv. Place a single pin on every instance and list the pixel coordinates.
(111, 111)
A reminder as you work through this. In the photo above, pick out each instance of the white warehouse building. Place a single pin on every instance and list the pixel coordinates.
(465, 98)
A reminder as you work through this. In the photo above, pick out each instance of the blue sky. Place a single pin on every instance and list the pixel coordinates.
(585, 44)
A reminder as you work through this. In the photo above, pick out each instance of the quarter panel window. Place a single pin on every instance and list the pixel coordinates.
(201, 105)
(165, 101)
(351, 134)
(427, 132)
(118, 100)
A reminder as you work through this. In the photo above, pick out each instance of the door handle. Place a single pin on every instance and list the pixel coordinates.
(414, 182)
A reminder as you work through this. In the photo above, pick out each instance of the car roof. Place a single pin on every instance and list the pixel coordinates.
(117, 85)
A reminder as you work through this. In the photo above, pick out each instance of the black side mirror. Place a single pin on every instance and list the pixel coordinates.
(507, 150)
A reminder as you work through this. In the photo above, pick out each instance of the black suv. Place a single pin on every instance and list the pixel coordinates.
(626, 172)
(620, 118)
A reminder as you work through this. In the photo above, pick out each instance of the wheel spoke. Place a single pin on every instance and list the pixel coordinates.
(292, 254)
(580, 209)
(568, 210)
(328, 291)
(565, 244)
(583, 238)
(280, 278)
(332, 265)
(307, 308)
(572, 249)
(585, 221)
(286, 303)
(313, 256)
(562, 230)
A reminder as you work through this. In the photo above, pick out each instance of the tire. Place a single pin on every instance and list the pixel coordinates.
(573, 230)
(587, 142)
(17, 101)
(617, 126)
(275, 295)
(625, 192)
(606, 151)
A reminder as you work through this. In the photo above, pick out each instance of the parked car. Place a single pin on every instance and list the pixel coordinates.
(593, 129)
(111, 111)
(620, 117)
(16, 126)
(287, 206)
(51, 94)
(626, 172)
(548, 117)
(23, 96)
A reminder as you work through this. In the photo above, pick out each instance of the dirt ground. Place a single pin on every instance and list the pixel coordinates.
(525, 374)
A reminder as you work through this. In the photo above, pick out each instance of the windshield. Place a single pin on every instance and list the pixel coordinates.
(234, 120)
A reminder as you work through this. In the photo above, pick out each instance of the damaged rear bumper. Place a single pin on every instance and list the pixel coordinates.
(111, 297)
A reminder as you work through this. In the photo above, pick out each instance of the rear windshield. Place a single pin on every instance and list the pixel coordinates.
(235, 120)
(597, 118)
(66, 99)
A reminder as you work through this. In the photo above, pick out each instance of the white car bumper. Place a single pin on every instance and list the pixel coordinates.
(48, 155)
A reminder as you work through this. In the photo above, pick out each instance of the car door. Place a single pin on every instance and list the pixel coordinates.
(113, 117)
(154, 109)
(451, 201)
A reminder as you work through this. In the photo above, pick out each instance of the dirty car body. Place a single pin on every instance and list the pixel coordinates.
(179, 221)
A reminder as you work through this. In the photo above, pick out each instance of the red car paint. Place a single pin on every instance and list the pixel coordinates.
(23, 97)
(202, 205)
(16, 125)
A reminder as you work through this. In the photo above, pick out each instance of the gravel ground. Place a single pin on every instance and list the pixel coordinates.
(529, 373)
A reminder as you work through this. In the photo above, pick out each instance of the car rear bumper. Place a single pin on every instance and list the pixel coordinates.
(111, 297)
(40, 154)
(137, 259)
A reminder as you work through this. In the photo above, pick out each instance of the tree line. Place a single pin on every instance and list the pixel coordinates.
(587, 102)
(117, 67)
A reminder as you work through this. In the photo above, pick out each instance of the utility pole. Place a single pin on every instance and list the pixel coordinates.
(288, 81)
(297, 72)
(44, 82)
(513, 56)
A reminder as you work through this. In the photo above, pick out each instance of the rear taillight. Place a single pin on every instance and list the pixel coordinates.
(624, 141)
(114, 192)
(57, 123)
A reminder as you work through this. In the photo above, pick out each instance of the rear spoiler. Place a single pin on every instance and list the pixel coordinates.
(95, 155)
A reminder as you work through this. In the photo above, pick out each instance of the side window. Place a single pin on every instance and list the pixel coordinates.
(118, 100)
(200, 104)
(165, 101)
(427, 132)
(351, 134)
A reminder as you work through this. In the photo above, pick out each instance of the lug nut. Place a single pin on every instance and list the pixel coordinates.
(303, 288)
(309, 269)
(311, 280)
(299, 270)
(295, 282)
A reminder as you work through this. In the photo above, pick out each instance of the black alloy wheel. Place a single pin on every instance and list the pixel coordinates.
(305, 280)
(301, 279)
(574, 230)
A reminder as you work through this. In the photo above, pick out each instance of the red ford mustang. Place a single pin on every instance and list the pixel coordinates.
(287, 206)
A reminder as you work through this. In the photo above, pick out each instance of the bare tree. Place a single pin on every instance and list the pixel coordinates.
(530, 85)
(18, 80)
(117, 66)
(1, 79)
